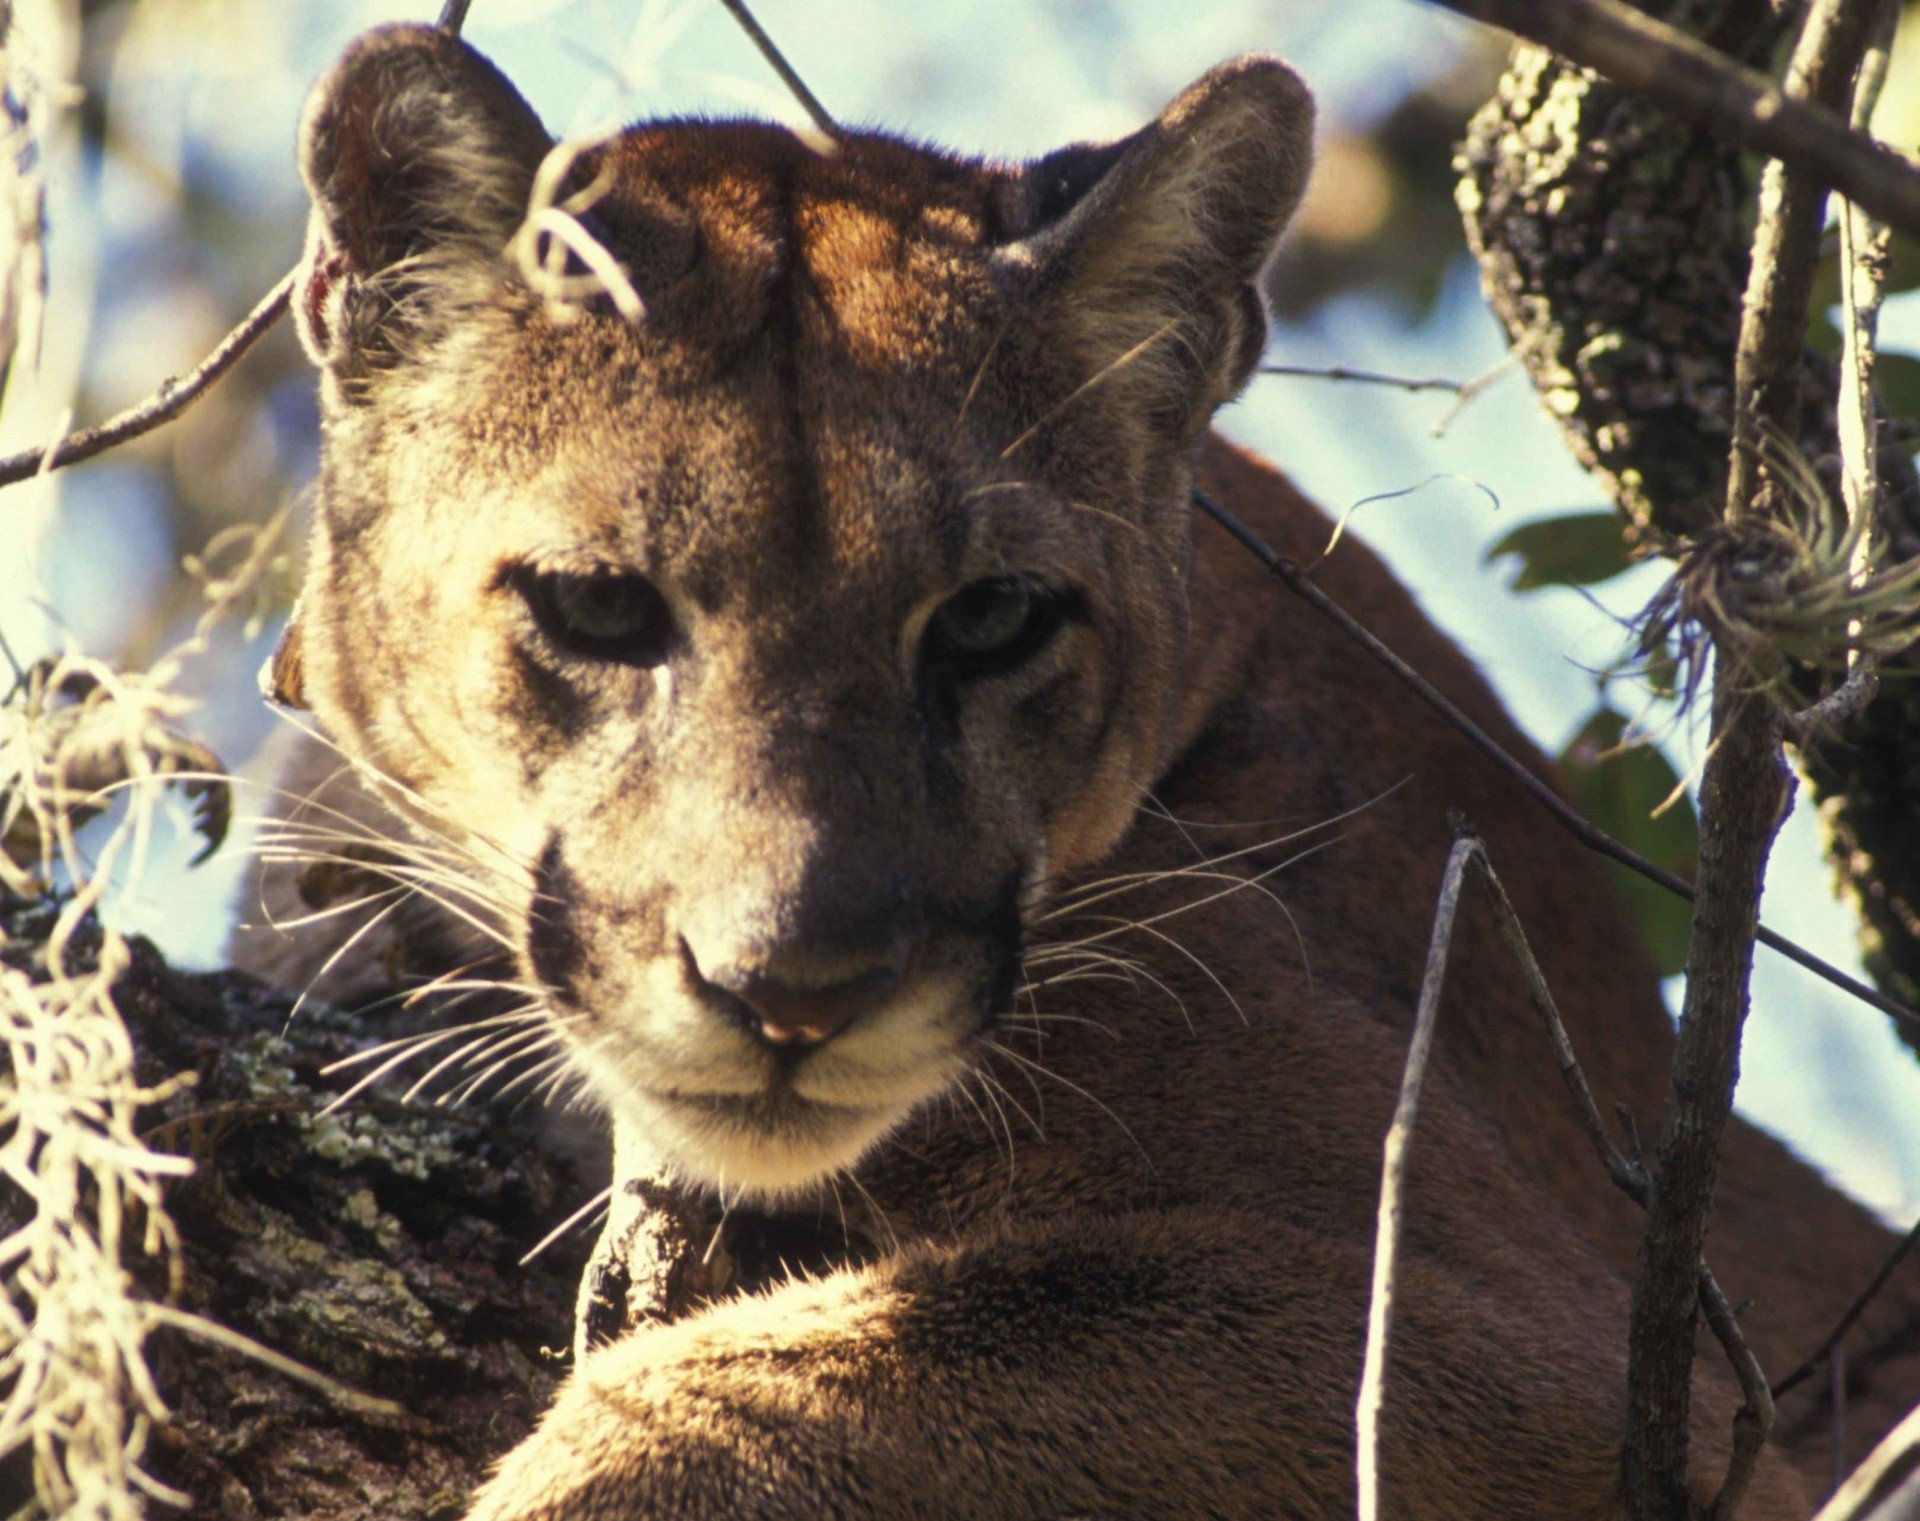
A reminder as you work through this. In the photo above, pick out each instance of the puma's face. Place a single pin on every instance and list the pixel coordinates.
(784, 638)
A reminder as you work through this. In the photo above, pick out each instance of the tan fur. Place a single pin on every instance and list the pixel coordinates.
(1112, 1243)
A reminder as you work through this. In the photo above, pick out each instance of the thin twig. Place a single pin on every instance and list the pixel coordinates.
(1367, 377)
(1755, 1417)
(1837, 1415)
(1406, 1112)
(1864, 248)
(173, 397)
(343, 1395)
(769, 50)
(1840, 706)
(1291, 576)
(1852, 1313)
(1699, 84)
(1470, 392)
(1629, 1174)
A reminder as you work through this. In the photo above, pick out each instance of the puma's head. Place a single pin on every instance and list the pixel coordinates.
(775, 555)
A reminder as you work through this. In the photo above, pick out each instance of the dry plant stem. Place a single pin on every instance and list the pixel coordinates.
(165, 404)
(1393, 1170)
(1291, 576)
(769, 50)
(1851, 1501)
(1697, 83)
(453, 15)
(1367, 377)
(1864, 248)
(1628, 1175)
(1755, 1417)
(1786, 247)
(1831, 1341)
(1743, 797)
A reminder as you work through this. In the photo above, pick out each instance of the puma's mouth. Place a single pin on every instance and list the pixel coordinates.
(771, 1142)
(726, 1112)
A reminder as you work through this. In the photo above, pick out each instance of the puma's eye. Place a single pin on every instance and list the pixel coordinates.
(991, 626)
(606, 615)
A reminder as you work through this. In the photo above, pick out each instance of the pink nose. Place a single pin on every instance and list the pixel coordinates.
(811, 1016)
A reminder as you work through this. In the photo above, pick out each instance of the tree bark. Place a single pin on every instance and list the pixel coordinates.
(379, 1245)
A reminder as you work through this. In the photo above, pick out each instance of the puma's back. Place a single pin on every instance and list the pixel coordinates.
(759, 583)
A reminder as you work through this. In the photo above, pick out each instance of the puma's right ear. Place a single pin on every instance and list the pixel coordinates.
(419, 156)
(1152, 247)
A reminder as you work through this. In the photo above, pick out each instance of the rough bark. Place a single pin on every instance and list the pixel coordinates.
(379, 1245)
(1612, 240)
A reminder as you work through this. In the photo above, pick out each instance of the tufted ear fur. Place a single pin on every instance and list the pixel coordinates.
(420, 157)
(1148, 251)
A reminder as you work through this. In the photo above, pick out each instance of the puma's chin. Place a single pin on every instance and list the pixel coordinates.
(773, 1142)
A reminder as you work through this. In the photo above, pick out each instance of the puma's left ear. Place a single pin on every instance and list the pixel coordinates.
(1156, 244)
(419, 156)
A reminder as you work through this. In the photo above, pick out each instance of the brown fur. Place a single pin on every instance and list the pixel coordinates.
(885, 375)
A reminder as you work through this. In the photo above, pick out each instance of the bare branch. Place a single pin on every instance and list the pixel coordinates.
(1367, 377)
(1406, 1112)
(1291, 576)
(1698, 83)
(165, 404)
(1755, 1417)
(1629, 1174)
(1864, 247)
(176, 395)
(1852, 1313)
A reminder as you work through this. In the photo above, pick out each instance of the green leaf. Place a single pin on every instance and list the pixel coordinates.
(1575, 549)
(1618, 789)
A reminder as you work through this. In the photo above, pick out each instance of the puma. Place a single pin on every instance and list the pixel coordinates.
(806, 676)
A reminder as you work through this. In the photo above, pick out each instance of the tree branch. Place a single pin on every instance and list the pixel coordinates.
(1696, 82)
(1852, 1313)
(770, 50)
(174, 396)
(1744, 794)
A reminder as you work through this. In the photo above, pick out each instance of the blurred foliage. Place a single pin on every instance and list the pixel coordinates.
(1573, 549)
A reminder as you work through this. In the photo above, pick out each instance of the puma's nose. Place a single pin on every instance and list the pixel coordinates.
(798, 1002)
